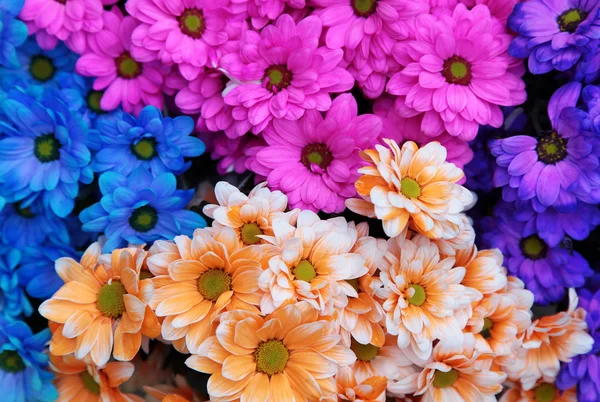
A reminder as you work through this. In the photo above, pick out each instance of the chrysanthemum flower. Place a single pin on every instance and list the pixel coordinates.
(500, 9)
(314, 160)
(186, 33)
(588, 67)
(125, 81)
(233, 154)
(463, 242)
(457, 373)
(454, 74)
(542, 392)
(483, 269)
(411, 187)
(281, 73)
(349, 389)
(101, 305)
(263, 12)
(13, 33)
(553, 34)
(210, 272)
(422, 295)
(69, 21)
(76, 380)
(285, 356)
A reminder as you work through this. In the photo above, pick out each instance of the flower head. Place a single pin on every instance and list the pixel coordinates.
(263, 12)
(13, 33)
(370, 390)
(544, 391)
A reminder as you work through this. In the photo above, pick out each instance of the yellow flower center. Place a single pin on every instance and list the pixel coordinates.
(46, 148)
(93, 101)
(419, 297)
(545, 392)
(410, 188)
(487, 327)
(364, 8)
(445, 379)
(250, 231)
(457, 70)
(316, 153)
(277, 77)
(192, 23)
(144, 149)
(127, 67)
(304, 271)
(364, 353)
(533, 247)
(271, 357)
(551, 148)
(11, 362)
(145, 275)
(89, 383)
(41, 68)
(570, 20)
(213, 283)
(110, 299)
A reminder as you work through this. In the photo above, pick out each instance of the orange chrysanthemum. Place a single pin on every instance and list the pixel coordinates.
(77, 381)
(212, 272)
(457, 372)
(349, 389)
(412, 187)
(289, 355)
(484, 271)
(100, 302)
(543, 391)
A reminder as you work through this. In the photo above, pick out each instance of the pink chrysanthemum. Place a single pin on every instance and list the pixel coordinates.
(457, 72)
(367, 30)
(125, 80)
(231, 153)
(282, 72)
(263, 11)
(188, 33)
(68, 21)
(314, 160)
(500, 9)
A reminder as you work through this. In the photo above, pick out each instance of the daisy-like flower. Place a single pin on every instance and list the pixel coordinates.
(559, 35)
(455, 75)
(281, 73)
(483, 269)
(457, 372)
(250, 216)
(288, 355)
(125, 81)
(101, 305)
(499, 9)
(69, 21)
(186, 33)
(314, 160)
(208, 273)
(422, 294)
(13, 33)
(411, 187)
(349, 389)
(76, 380)
(263, 11)
(543, 391)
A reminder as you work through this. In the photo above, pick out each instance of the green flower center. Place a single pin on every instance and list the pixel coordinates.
(127, 67)
(445, 379)
(145, 149)
(364, 8)
(41, 68)
(410, 188)
(533, 247)
(89, 383)
(11, 362)
(143, 218)
(419, 297)
(250, 233)
(277, 77)
(570, 20)
(545, 392)
(213, 283)
(457, 71)
(304, 271)
(487, 328)
(110, 299)
(551, 148)
(271, 357)
(46, 148)
(24, 212)
(192, 23)
(318, 154)
(145, 275)
(93, 101)
(364, 353)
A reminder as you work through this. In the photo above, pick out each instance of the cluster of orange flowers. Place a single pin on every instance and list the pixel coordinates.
(285, 306)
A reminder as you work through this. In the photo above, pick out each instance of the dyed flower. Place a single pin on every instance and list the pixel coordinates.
(23, 364)
(588, 68)
(13, 33)
(314, 160)
(411, 187)
(464, 241)
(232, 154)
(457, 372)
(544, 391)
(43, 155)
(500, 9)
(140, 208)
(553, 34)
(370, 390)
(264, 11)
(288, 355)
(454, 75)
(101, 305)
(483, 269)
(556, 169)
(547, 271)
(282, 73)
(70, 21)
(13, 301)
(125, 80)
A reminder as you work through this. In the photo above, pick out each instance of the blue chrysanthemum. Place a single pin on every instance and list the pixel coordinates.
(13, 32)
(157, 143)
(140, 208)
(24, 375)
(588, 68)
(547, 271)
(553, 33)
(44, 154)
(13, 301)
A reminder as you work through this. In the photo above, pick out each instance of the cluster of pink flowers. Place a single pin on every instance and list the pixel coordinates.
(269, 81)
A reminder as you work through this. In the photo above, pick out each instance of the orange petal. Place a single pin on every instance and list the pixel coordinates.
(212, 260)
(257, 390)
(60, 346)
(158, 263)
(198, 332)
(101, 351)
(184, 270)
(365, 184)
(203, 364)
(126, 345)
(150, 326)
(171, 333)
(219, 386)
(304, 335)
(76, 292)
(134, 307)
(61, 310)
(303, 382)
(69, 270)
(195, 314)
(78, 323)
(178, 304)
(225, 334)
(245, 333)
(281, 390)
(238, 367)
(87, 340)
(314, 363)
(130, 279)
(269, 329)
(118, 372)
